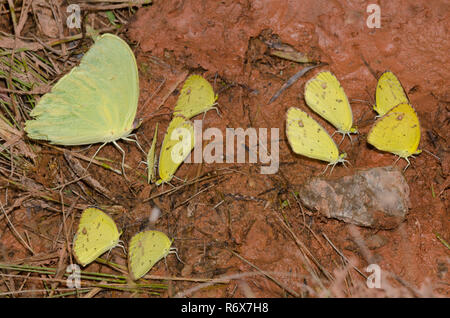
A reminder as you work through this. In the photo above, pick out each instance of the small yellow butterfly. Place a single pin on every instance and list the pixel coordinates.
(325, 95)
(151, 158)
(196, 97)
(177, 144)
(146, 249)
(308, 138)
(389, 93)
(397, 132)
(96, 234)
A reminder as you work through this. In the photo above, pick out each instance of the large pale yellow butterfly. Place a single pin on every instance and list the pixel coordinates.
(177, 144)
(96, 234)
(308, 138)
(397, 132)
(151, 158)
(95, 102)
(389, 93)
(325, 95)
(146, 249)
(196, 97)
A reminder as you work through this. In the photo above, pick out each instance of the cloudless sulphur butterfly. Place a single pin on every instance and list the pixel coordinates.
(96, 234)
(325, 95)
(389, 93)
(146, 249)
(196, 97)
(177, 144)
(95, 102)
(308, 138)
(397, 132)
(151, 157)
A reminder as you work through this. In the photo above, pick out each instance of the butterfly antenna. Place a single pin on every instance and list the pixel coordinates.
(430, 153)
(82, 150)
(123, 158)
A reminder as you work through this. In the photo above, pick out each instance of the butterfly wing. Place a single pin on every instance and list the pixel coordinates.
(95, 102)
(146, 249)
(177, 144)
(308, 138)
(96, 234)
(397, 132)
(389, 93)
(196, 97)
(151, 157)
(325, 95)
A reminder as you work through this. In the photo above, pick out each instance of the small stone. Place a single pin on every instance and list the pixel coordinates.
(376, 198)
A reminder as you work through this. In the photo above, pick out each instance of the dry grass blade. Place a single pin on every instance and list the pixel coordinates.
(307, 253)
(80, 171)
(118, 4)
(276, 281)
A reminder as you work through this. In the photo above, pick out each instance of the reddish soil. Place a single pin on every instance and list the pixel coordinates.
(218, 37)
(256, 216)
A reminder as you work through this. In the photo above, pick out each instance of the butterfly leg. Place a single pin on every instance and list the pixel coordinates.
(217, 110)
(136, 141)
(95, 154)
(343, 137)
(123, 158)
(407, 164)
(397, 160)
(349, 136)
(326, 168)
(174, 250)
(121, 244)
(179, 179)
(332, 167)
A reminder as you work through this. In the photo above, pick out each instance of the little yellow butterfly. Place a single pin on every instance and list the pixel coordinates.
(307, 137)
(177, 144)
(96, 234)
(196, 97)
(151, 157)
(389, 93)
(325, 95)
(95, 102)
(397, 132)
(146, 249)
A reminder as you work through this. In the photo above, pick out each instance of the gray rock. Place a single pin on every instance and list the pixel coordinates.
(376, 198)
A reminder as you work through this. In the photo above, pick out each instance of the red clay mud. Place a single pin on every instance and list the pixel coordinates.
(217, 37)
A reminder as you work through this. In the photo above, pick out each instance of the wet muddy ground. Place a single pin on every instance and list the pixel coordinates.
(229, 221)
